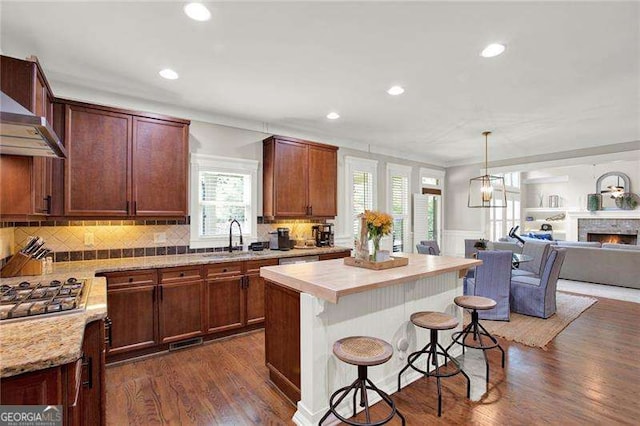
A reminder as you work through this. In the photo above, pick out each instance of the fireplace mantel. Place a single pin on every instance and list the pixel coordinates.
(573, 216)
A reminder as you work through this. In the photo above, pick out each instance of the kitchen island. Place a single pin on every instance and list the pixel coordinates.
(310, 306)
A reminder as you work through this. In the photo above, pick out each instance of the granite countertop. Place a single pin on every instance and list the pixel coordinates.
(333, 279)
(38, 343)
(89, 268)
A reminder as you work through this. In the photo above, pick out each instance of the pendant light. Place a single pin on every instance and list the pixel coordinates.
(487, 191)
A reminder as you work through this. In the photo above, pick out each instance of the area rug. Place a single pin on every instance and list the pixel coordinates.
(538, 332)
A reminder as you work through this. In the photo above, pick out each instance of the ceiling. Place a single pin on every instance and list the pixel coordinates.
(569, 79)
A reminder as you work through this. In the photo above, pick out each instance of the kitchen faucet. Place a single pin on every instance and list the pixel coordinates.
(230, 233)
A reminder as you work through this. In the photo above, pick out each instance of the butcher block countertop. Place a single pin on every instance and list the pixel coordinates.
(332, 279)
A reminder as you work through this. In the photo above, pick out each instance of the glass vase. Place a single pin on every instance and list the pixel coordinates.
(376, 247)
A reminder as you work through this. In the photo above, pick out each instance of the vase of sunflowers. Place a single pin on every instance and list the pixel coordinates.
(378, 225)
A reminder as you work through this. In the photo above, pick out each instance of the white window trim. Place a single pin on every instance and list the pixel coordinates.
(213, 163)
(432, 173)
(365, 165)
(404, 171)
(440, 175)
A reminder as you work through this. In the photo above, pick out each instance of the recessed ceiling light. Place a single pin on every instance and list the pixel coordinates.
(333, 116)
(395, 90)
(492, 50)
(197, 11)
(169, 74)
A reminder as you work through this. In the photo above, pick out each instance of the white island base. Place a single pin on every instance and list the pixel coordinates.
(381, 312)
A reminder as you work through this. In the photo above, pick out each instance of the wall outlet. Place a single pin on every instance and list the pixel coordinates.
(159, 237)
(88, 239)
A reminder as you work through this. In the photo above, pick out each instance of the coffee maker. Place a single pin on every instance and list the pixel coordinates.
(279, 240)
(323, 234)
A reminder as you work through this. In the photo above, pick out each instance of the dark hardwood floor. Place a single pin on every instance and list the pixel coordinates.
(589, 375)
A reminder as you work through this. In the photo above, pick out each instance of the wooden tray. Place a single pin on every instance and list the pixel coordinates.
(394, 262)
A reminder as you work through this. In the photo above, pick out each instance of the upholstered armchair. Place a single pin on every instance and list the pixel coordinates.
(537, 296)
(492, 279)
(539, 251)
(428, 247)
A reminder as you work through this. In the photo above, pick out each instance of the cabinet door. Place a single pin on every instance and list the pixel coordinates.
(132, 311)
(93, 387)
(291, 175)
(97, 180)
(41, 183)
(225, 304)
(323, 175)
(16, 196)
(42, 387)
(255, 299)
(180, 310)
(160, 155)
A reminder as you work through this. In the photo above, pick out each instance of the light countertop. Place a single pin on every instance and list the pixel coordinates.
(332, 279)
(38, 343)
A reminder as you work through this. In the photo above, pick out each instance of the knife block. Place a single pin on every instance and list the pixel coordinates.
(21, 264)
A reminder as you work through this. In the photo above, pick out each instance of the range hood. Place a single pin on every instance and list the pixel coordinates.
(23, 133)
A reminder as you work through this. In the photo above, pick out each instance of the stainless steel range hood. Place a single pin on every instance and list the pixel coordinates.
(23, 133)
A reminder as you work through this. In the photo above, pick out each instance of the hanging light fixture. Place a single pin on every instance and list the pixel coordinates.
(487, 190)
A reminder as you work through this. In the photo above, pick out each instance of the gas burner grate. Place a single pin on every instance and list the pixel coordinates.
(30, 299)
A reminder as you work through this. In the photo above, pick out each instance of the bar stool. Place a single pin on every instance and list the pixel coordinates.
(474, 328)
(363, 352)
(434, 321)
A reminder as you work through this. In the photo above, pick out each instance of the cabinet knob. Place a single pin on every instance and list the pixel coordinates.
(224, 270)
(130, 279)
(182, 274)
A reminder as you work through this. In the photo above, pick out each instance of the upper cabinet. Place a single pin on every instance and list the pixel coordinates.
(300, 179)
(29, 192)
(123, 163)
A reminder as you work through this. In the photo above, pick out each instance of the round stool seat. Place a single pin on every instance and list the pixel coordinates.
(362, 350)
(475, 302)
(434, 320)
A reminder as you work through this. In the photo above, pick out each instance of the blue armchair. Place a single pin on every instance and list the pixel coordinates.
(492, 279)
(537, 296)
(539, 251)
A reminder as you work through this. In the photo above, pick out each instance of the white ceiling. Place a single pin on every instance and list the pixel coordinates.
(569, 79)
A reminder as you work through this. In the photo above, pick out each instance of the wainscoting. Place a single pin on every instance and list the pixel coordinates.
(453, 241)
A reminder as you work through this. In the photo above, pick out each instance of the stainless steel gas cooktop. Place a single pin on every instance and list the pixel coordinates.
(29, 299)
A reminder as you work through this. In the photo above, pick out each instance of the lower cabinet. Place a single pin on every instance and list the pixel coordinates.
(150, 309)
(181, 310)
(78, 386)
(131, 303)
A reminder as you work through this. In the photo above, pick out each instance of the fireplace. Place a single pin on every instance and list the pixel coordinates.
(603, 238)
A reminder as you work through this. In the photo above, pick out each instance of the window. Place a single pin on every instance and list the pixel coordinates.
(361, 189)
(222, 189)
(502, 220)
(427, 207)
(398, 190)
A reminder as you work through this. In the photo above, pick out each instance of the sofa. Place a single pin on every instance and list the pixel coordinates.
(611, 264)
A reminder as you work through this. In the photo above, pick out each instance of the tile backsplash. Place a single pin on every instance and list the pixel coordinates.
(88, 240)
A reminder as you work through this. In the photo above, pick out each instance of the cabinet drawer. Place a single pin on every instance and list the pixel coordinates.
(183, 273)
(253, 266)
(226, 269)
(338, 255)
(131, 278)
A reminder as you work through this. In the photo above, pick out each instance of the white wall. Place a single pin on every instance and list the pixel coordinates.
(581, 181)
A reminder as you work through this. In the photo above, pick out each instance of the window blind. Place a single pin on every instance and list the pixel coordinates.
(399, 210)
(223, 197)
(362, 196)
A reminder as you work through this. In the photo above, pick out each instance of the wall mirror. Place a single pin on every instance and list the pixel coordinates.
(613, 186)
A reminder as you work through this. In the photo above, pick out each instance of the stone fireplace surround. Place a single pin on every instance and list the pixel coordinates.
(629, 227)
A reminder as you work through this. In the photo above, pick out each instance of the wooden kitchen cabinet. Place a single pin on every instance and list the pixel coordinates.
(225, 296)
(123, 163)
(30, 191)
(255, 290)
(78, 386)
(97, 178)
(181, 303)
(132, 309)
(299, 178)
(160, 152)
